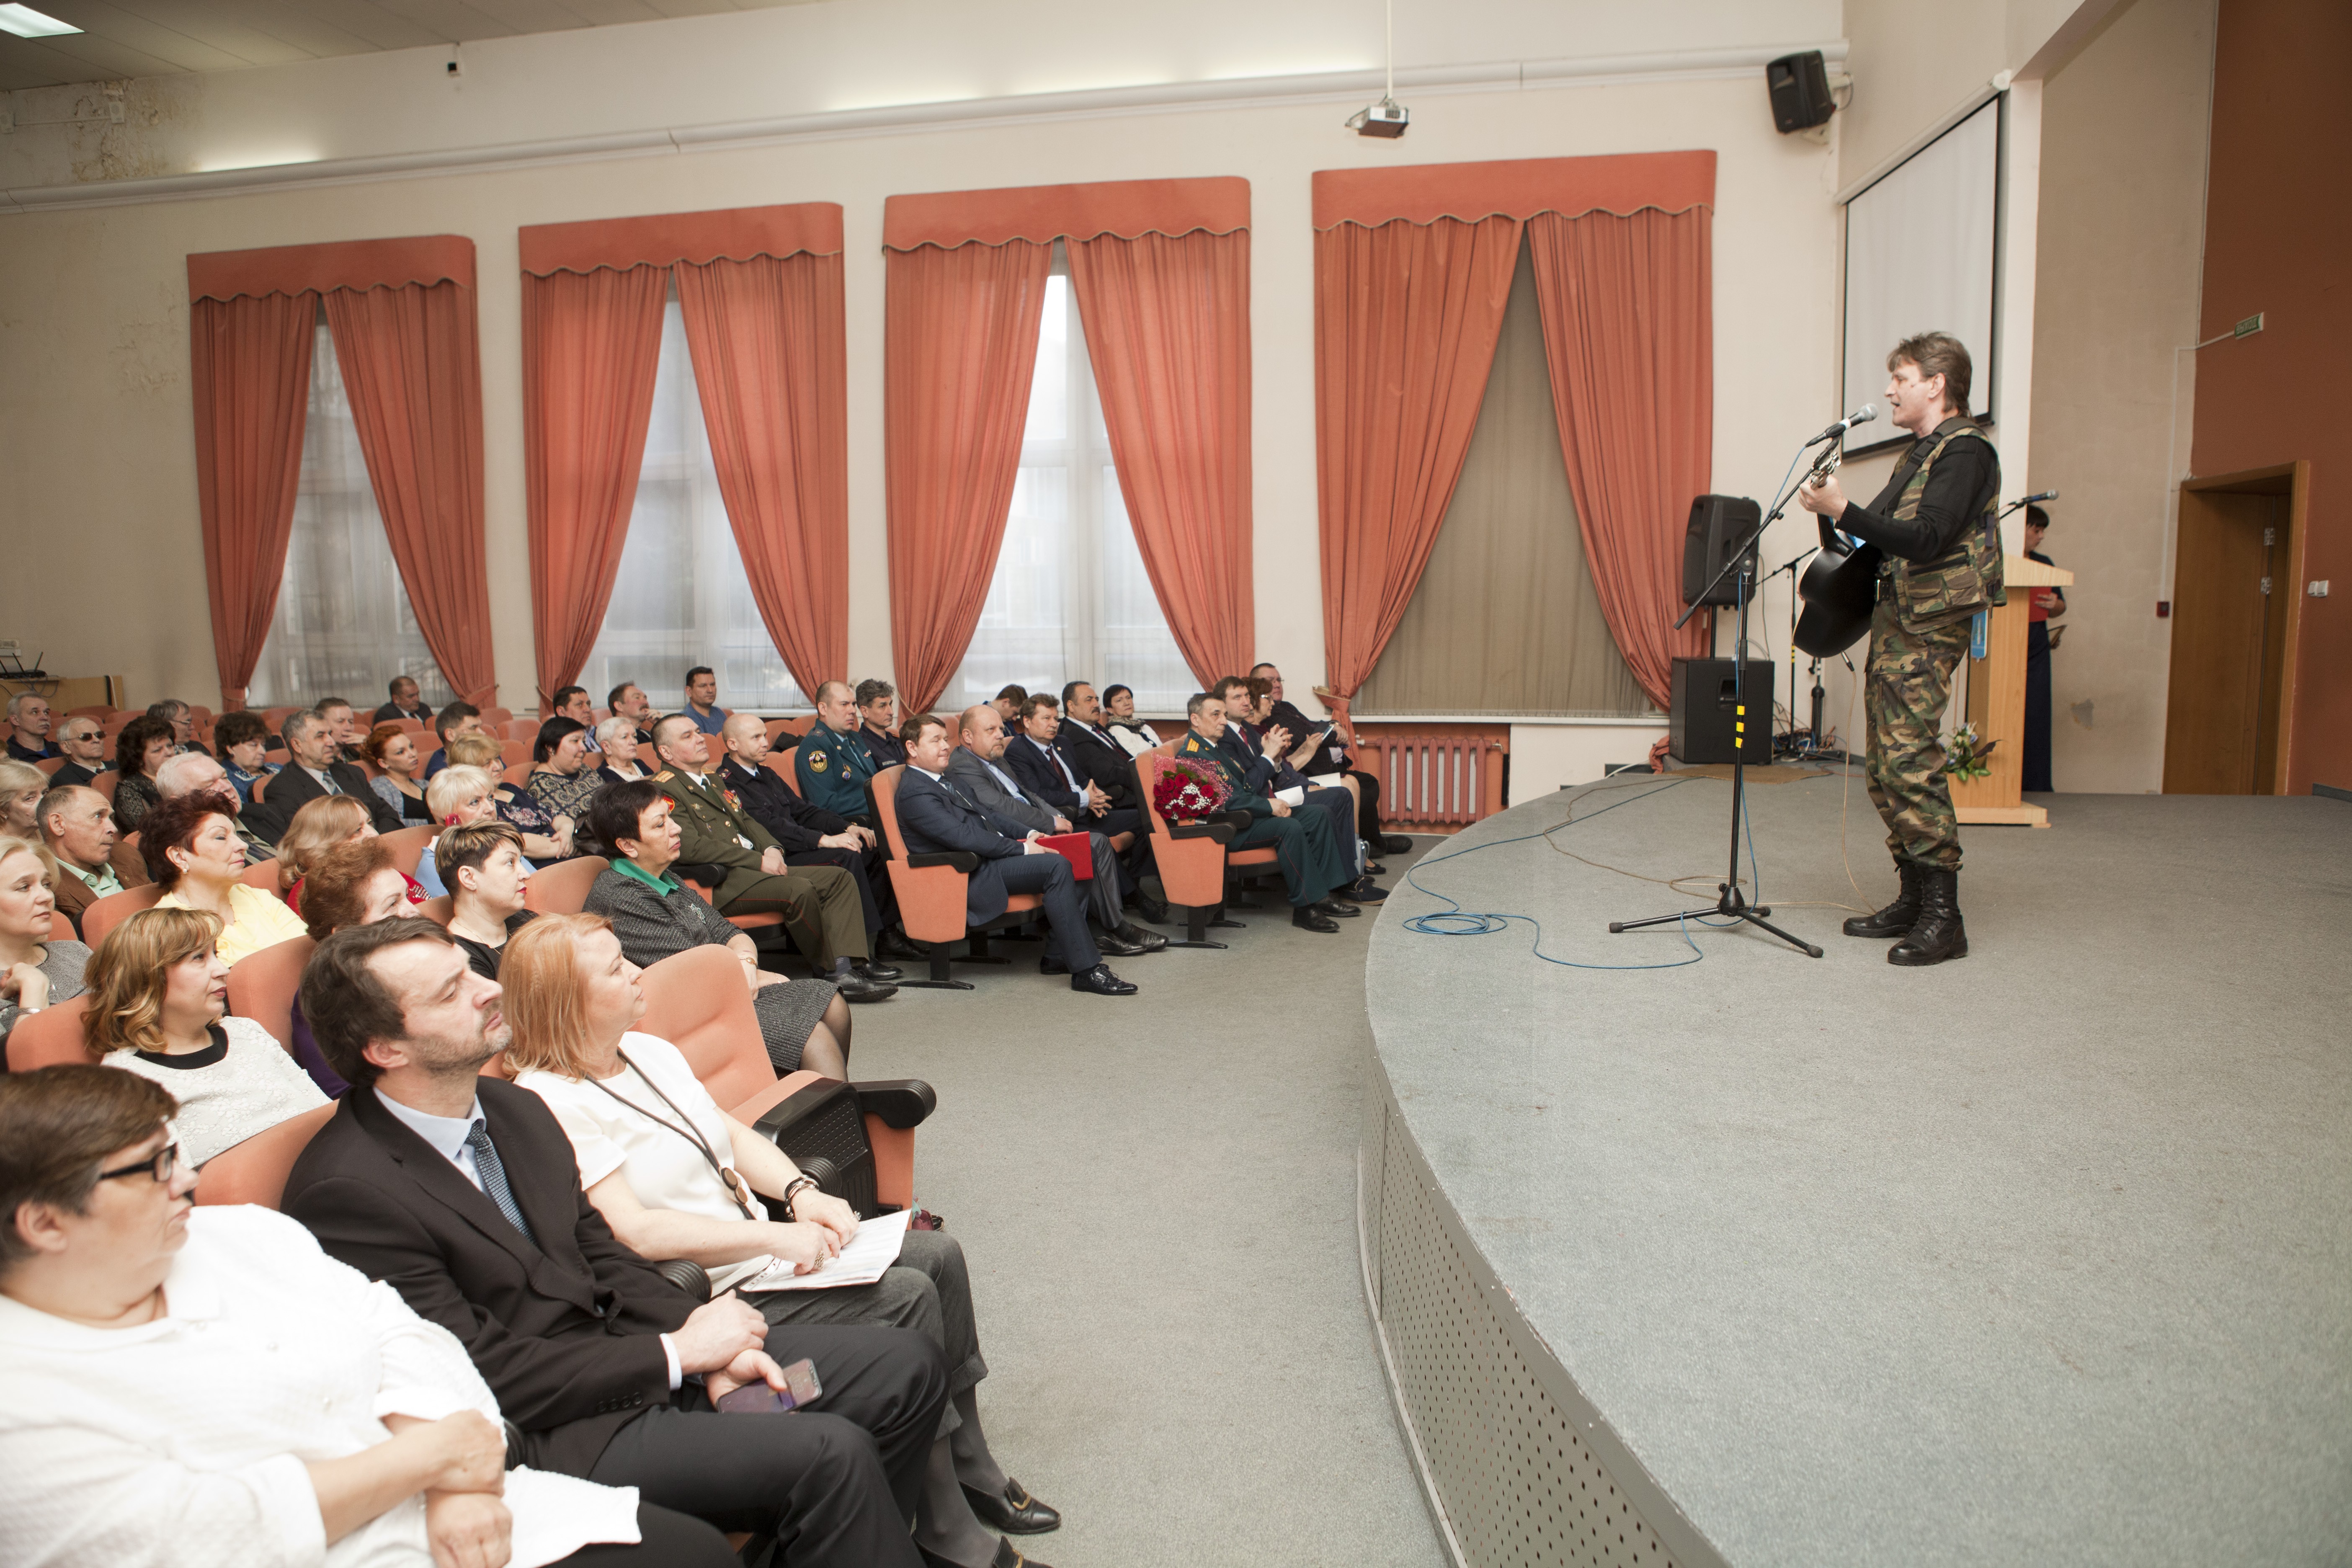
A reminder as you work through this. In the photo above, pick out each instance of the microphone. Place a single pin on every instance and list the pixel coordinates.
(2035, 500)
(1862, 416)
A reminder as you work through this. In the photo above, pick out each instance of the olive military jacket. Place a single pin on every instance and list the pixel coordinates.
(715, 830)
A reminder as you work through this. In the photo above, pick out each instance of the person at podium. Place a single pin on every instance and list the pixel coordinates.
(2048, 605)
(1937, 523)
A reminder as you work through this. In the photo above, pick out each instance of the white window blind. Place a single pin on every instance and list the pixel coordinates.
(343, 627)
(680, 598)
(1070, 599)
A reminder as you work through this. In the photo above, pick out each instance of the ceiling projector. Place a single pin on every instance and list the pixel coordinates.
(1387, 118)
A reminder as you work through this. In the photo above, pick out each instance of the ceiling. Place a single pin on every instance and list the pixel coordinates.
(168, 38)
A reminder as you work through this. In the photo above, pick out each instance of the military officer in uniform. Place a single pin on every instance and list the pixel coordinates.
(1310, 862)
(819, 903)
(1255, 750)
(831, 763)
(1937, 522)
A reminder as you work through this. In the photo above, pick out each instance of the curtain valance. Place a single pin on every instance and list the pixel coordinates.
(356, 264)
(1515, 187)
(1043, 213)
(664, 240)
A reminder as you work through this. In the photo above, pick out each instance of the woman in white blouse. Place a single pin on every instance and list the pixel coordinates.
(209, 1389)
(1118, 718)
(157, 994)
(676, 1176)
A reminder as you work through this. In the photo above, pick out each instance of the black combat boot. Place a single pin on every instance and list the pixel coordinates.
(1938, 934)
(1897, 918)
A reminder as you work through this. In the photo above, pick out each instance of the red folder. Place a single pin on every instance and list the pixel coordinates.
(1077, 849)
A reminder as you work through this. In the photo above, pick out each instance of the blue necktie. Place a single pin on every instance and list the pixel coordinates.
(487, 1166)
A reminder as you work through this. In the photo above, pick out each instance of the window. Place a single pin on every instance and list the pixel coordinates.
(1070, 600)
(343, 627)
(680, 598)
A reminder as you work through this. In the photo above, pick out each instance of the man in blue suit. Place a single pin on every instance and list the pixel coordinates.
(936, 817)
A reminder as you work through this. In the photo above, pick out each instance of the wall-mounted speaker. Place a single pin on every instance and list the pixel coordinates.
(1716, 523)
(1799, 85)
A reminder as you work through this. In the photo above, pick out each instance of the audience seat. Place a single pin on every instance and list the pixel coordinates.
(698, 1001)
(50, 765)
(797, 728)
(106, 783)
(781, 764)
(261, 987)
(1193, 859)
(407, 846)
(61, 929)
(53, 1036)
(518, 773)
(260, 787)
(261, 874)
(104, 914)
(515, 752)
(277, 756)
(112, 725)
(101, 711)
(519, 730)
(562, 889)
(254, 1171)
(760, 921)
(930, 891)
(274, 718)
(436, 910)
(410, 726)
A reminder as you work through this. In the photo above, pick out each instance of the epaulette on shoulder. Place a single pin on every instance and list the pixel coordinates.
(664, 776)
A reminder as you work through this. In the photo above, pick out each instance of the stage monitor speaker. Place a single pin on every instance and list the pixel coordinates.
(1799, 85)
(1712, 719)
(1716, 522)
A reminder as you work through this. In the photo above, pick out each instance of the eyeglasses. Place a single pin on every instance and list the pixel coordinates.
(160, 1165)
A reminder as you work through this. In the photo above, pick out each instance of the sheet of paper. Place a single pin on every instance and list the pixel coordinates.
(869, 1253)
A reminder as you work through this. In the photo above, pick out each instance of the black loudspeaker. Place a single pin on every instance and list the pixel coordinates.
(1711, 720)
(1800, 92)
(1716, 523)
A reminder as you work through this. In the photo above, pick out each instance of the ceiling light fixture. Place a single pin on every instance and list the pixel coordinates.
(28, 23)
(1388, 118)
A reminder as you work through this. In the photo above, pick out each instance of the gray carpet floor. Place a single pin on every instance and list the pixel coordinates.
(1156, 1194)
(2043, 1255)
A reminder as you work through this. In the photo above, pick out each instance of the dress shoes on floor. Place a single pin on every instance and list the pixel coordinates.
(1142, 941)
(890, 944)
(1396, 844)
(880, 974)
(1149, 910)
(1101, 982)
(857, 987)
(1007, 1556)
(1364, 891)
(1311, 917)
(1337, 909)
(1116, 944)
(1014, 1510)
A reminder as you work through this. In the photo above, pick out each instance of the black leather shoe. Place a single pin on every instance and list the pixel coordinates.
(855, 987)
(1938, 934)
(1014, 1510)
(1102, 982)
(1142, 941)
(1367, 891)
(890, 944)
(1374, 869)
(1395, 843)
(1897, 918)
(882, 974)
(1311, 917)
(1149, 910)
(1007, 1555)
(1338, 911)
(1115, 945)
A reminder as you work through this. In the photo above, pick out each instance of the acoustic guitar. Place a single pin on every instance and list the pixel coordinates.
(1840, 586)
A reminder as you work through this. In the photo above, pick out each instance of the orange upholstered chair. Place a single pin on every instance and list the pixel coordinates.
(518, 773)
(515, 753)
(254, 1171)
(521, 730)
(49, 765)
(62, 928)
(104, 914)
(1192, 859)
(261, 874)
(51, 1037)
(106, 783)
(931, 889)
(562, 889)
(492, 717)
(797, 728)
(274, 717)
(407, 846)
(436, 910)
(781, 764)
(261, 987)
(698, 1001)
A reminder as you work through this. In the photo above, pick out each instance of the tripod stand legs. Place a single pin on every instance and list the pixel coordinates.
(1729, 905)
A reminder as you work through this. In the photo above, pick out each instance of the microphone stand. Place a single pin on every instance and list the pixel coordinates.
(1730, 903)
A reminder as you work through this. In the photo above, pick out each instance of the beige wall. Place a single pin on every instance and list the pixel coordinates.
(104, 566)
(2123, 203)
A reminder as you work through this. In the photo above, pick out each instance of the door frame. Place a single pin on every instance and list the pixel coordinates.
(2292, 479)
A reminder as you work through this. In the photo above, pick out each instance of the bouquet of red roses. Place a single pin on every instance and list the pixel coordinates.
(1188, 791)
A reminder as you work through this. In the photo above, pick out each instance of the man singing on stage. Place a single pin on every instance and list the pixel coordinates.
(1936, 520)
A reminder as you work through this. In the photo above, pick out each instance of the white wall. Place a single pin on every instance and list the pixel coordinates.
(95, 419)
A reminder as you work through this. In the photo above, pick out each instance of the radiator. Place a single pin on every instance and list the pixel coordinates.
(1435, 776)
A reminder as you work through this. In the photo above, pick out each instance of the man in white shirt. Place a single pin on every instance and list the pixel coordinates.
(315, 771)
(462, 1194)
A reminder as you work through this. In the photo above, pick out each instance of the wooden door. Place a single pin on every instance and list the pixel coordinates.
(2229, 642)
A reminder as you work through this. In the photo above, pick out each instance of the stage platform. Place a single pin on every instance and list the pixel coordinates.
(2043, 1255)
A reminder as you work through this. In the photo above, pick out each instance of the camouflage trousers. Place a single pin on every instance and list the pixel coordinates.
(1908, 685)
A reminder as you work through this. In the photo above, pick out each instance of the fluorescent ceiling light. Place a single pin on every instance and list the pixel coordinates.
(28, 23)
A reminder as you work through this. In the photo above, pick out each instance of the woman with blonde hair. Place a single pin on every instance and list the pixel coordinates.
(459, 793)
(158, 991)
(33, 971)
(392, 751)
(544, 837)
(22, 785)
(676, 1176)
(193, 852)
(322, 825)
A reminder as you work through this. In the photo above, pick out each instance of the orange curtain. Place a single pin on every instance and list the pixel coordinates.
(766, 337)
(1629, 335)
(1167, 322)
(1406, 317)
(591, 343)
(250, 359)
(960, 342)
(411, 362)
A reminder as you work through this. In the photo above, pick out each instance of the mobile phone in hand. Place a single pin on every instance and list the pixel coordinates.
(800, 1388)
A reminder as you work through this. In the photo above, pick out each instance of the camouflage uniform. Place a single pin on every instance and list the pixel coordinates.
(1919, 632)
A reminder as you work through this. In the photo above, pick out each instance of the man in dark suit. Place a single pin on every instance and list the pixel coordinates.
(937, 817)
(979, 769)
(810, 835)
(315, 771)
(1266, 755)
(462, 1194)
(1332, 758)
(406, 703)
(1309, 861)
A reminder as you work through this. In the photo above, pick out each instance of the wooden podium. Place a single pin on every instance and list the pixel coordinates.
(1997, 703)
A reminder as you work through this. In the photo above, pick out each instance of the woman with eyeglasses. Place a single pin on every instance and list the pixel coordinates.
(206, 1387)
(157, 994)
